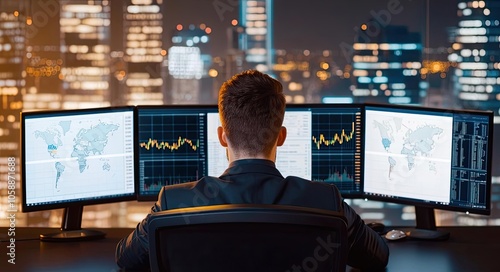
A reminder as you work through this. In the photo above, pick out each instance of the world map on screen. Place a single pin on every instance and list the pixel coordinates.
(88, 141)
(397, 137)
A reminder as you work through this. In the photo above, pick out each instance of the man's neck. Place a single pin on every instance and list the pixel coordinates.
(234, 156)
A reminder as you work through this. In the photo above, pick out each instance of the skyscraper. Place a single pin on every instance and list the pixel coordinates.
(386, 64)
(234, 60)
(85, 28)
(12, 82)
(42, 58)
(144, 56)
(477, 52)
(188, 62)
(256, 16)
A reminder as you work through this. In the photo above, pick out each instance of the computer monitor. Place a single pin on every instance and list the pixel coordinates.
(330, 135)
(74, 158)
(178, 143)
(172, 146)
(430, 158)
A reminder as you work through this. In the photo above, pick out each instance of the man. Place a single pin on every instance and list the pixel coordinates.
(252, 108)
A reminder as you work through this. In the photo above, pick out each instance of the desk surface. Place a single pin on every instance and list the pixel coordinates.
(468, 249)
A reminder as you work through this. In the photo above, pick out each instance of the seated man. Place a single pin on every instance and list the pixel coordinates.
(252, 108)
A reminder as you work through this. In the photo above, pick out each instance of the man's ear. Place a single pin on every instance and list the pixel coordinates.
(281, 136)
(222, 136)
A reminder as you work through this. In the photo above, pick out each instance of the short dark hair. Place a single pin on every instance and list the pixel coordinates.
(252, 108)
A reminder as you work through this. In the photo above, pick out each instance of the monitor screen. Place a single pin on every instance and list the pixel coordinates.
(172, 146)
(77, 157)
(428, 157)
(329, 136)
(179, 144)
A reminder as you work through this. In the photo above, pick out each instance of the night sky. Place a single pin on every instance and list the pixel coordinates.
(319, 24)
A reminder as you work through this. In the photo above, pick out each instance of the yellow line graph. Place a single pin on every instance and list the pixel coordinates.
(153, 143)
(336, 138)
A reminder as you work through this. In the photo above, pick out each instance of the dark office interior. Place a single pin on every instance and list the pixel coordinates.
(338, 61)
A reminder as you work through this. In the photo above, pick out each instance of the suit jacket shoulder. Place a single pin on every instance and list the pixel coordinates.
(293, 191)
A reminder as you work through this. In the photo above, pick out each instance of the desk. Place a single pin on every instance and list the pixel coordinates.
(468, 249)
(33, 255)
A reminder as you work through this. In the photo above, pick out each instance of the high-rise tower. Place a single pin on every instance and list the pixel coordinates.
(188, 62)
(85, 31)
(386, 66)
(477, 52)
(12, 82)
(256, 16)
(143, 30)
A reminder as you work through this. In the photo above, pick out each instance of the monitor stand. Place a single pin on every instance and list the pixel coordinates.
(71, 228)
(426, 226)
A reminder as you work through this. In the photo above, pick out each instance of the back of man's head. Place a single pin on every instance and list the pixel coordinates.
(252, 108)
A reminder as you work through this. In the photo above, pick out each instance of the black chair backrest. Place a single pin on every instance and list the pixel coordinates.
(244, 237)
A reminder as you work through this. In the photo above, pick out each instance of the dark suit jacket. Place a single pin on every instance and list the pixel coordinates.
(258, 182)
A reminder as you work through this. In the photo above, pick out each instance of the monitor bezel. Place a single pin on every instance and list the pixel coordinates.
(80, 201)
(421, 203)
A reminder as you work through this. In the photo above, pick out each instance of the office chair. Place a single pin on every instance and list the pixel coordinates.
(244, 237)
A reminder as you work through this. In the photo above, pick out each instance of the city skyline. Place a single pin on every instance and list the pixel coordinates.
(302, 30)
(313, 25)
(320, 24)
(325, 25)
